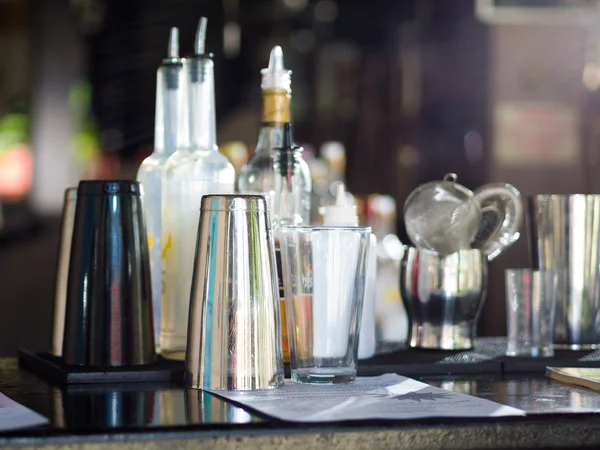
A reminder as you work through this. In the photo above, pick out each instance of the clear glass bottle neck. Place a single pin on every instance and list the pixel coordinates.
(170, 122)
(202, 124)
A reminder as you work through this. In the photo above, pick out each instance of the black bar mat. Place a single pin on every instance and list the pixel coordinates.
(51, 368)
(483, 359)
(488, 357)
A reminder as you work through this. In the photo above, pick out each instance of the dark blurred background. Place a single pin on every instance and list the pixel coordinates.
(494, 90)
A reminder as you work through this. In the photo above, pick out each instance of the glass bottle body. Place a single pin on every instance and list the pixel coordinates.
(149, 176)
(188, 176)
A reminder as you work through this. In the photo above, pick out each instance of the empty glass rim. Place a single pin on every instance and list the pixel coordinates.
(323, 228)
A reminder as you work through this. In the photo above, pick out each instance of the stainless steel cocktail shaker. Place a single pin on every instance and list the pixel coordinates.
(109, 300)
(564, 237)
(234, 331)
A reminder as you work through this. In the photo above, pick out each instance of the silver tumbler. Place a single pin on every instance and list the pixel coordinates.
(234, 331)
(62, 270)
(109, 299)
(443, 296)
(564, 237)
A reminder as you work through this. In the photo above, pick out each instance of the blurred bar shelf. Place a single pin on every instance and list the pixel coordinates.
(18, 222)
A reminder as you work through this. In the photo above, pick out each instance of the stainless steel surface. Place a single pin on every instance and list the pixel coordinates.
(62, 270)
(109, 300)
(564, 236)
(234, 331)
(443, 296)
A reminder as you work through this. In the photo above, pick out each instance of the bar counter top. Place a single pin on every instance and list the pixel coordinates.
(151, 416)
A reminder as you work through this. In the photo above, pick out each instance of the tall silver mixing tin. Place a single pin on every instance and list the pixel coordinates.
(234, 331)
(564, 237)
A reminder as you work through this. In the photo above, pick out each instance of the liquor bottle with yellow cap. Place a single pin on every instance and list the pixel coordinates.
(258, 175)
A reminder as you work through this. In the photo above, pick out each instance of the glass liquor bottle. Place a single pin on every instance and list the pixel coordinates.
(258, 176)
(287, 207)
(170, 133)
(189, 174)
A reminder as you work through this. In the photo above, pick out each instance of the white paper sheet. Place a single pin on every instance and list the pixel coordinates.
(387, 396)
(14, 415)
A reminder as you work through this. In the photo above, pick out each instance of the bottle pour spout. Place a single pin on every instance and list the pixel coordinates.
(199, 45)
(173, 50)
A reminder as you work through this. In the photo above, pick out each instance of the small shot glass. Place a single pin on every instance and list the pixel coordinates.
(324, 280)
(530, 312)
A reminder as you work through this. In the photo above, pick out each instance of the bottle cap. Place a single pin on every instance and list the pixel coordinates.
(276, 76)
(343, 213)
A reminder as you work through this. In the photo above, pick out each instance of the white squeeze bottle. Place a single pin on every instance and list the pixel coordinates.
(343, 213)
(189, 174)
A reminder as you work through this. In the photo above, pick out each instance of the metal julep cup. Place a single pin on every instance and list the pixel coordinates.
(234, 328)
(109, 299)
(62, 270)
(443, 296)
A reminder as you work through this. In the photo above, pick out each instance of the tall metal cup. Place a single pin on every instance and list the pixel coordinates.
(62, 270)
(234, 331)
(109, 300)
(564, 237)
(443, 296)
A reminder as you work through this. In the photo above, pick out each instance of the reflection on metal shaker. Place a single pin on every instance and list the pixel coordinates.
(564, 237)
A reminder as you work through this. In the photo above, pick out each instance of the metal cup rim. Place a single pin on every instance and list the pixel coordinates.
(108, 187)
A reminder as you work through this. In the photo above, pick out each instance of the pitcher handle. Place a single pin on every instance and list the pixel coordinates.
(503, 201)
